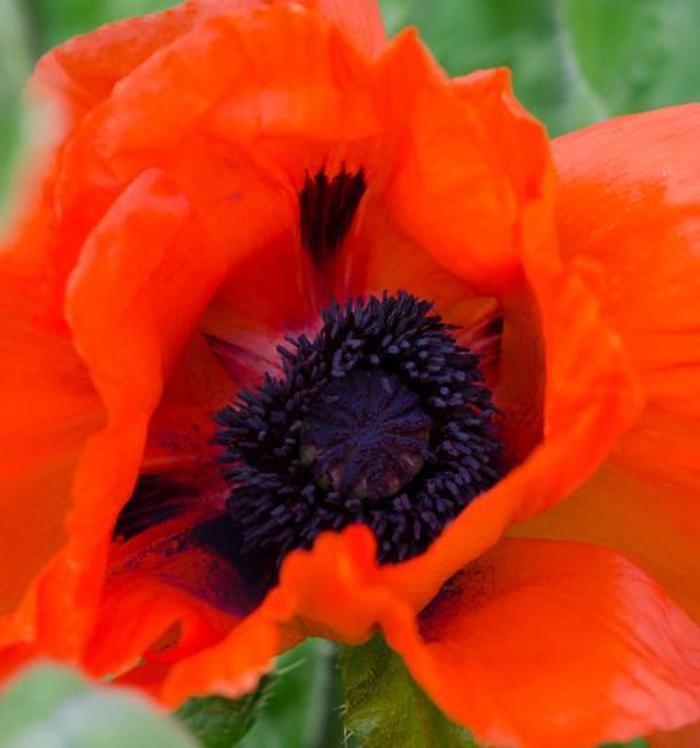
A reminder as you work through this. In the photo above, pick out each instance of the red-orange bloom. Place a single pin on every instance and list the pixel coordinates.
(220, 173)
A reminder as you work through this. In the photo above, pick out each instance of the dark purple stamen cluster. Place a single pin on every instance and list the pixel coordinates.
(381, 419)
(367, 435)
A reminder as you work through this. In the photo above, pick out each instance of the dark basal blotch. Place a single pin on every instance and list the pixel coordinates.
(326, 210)
(156, 499)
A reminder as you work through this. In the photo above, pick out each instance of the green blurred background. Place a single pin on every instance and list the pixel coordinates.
(574, 62)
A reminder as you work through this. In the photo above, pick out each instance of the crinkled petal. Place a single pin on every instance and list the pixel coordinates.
(331, 591)
(553, 331)
(143, 258)
(69, 82)
(449, 192)
(629, 206)
(134, 300)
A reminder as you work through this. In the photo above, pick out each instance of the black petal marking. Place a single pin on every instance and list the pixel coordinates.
(326, 210)
(156, 499)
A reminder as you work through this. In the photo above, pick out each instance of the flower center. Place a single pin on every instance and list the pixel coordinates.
(367, 435)
(380, 419)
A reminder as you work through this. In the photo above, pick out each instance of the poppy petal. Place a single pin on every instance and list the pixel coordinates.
(71, 80)
(169, 592)
(329, 591)
(547, 644)
(49, 410)
(360, 19)
(244, 118)
(591, 393)
(636, 176)
(134, 293)
(451, 193)
(529, 645)
(630, 204)
(131, 311)
(84, 70)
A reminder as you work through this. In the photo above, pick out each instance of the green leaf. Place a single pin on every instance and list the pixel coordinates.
(301, 706)
(297, 706)
(219, 722)
(51, 707)
(384, 707)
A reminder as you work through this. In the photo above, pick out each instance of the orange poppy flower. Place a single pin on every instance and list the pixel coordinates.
(461, 356)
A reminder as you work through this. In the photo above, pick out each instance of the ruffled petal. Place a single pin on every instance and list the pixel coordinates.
(629, 207)
(535, 644)
(85, 69)
(541, 644)
(82, 72)
(553, 332)
(331, 591)
(240, 142)
(131, 312)
(450, 192)
(360, 19)
(68, 83)
(139, 254)
(110, 133)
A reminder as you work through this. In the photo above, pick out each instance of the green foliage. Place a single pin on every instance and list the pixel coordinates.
(298, 706)
(15, 63)
(384, 707)
(301, 706)
(51, 707)
(573, 61)
(219, 722)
